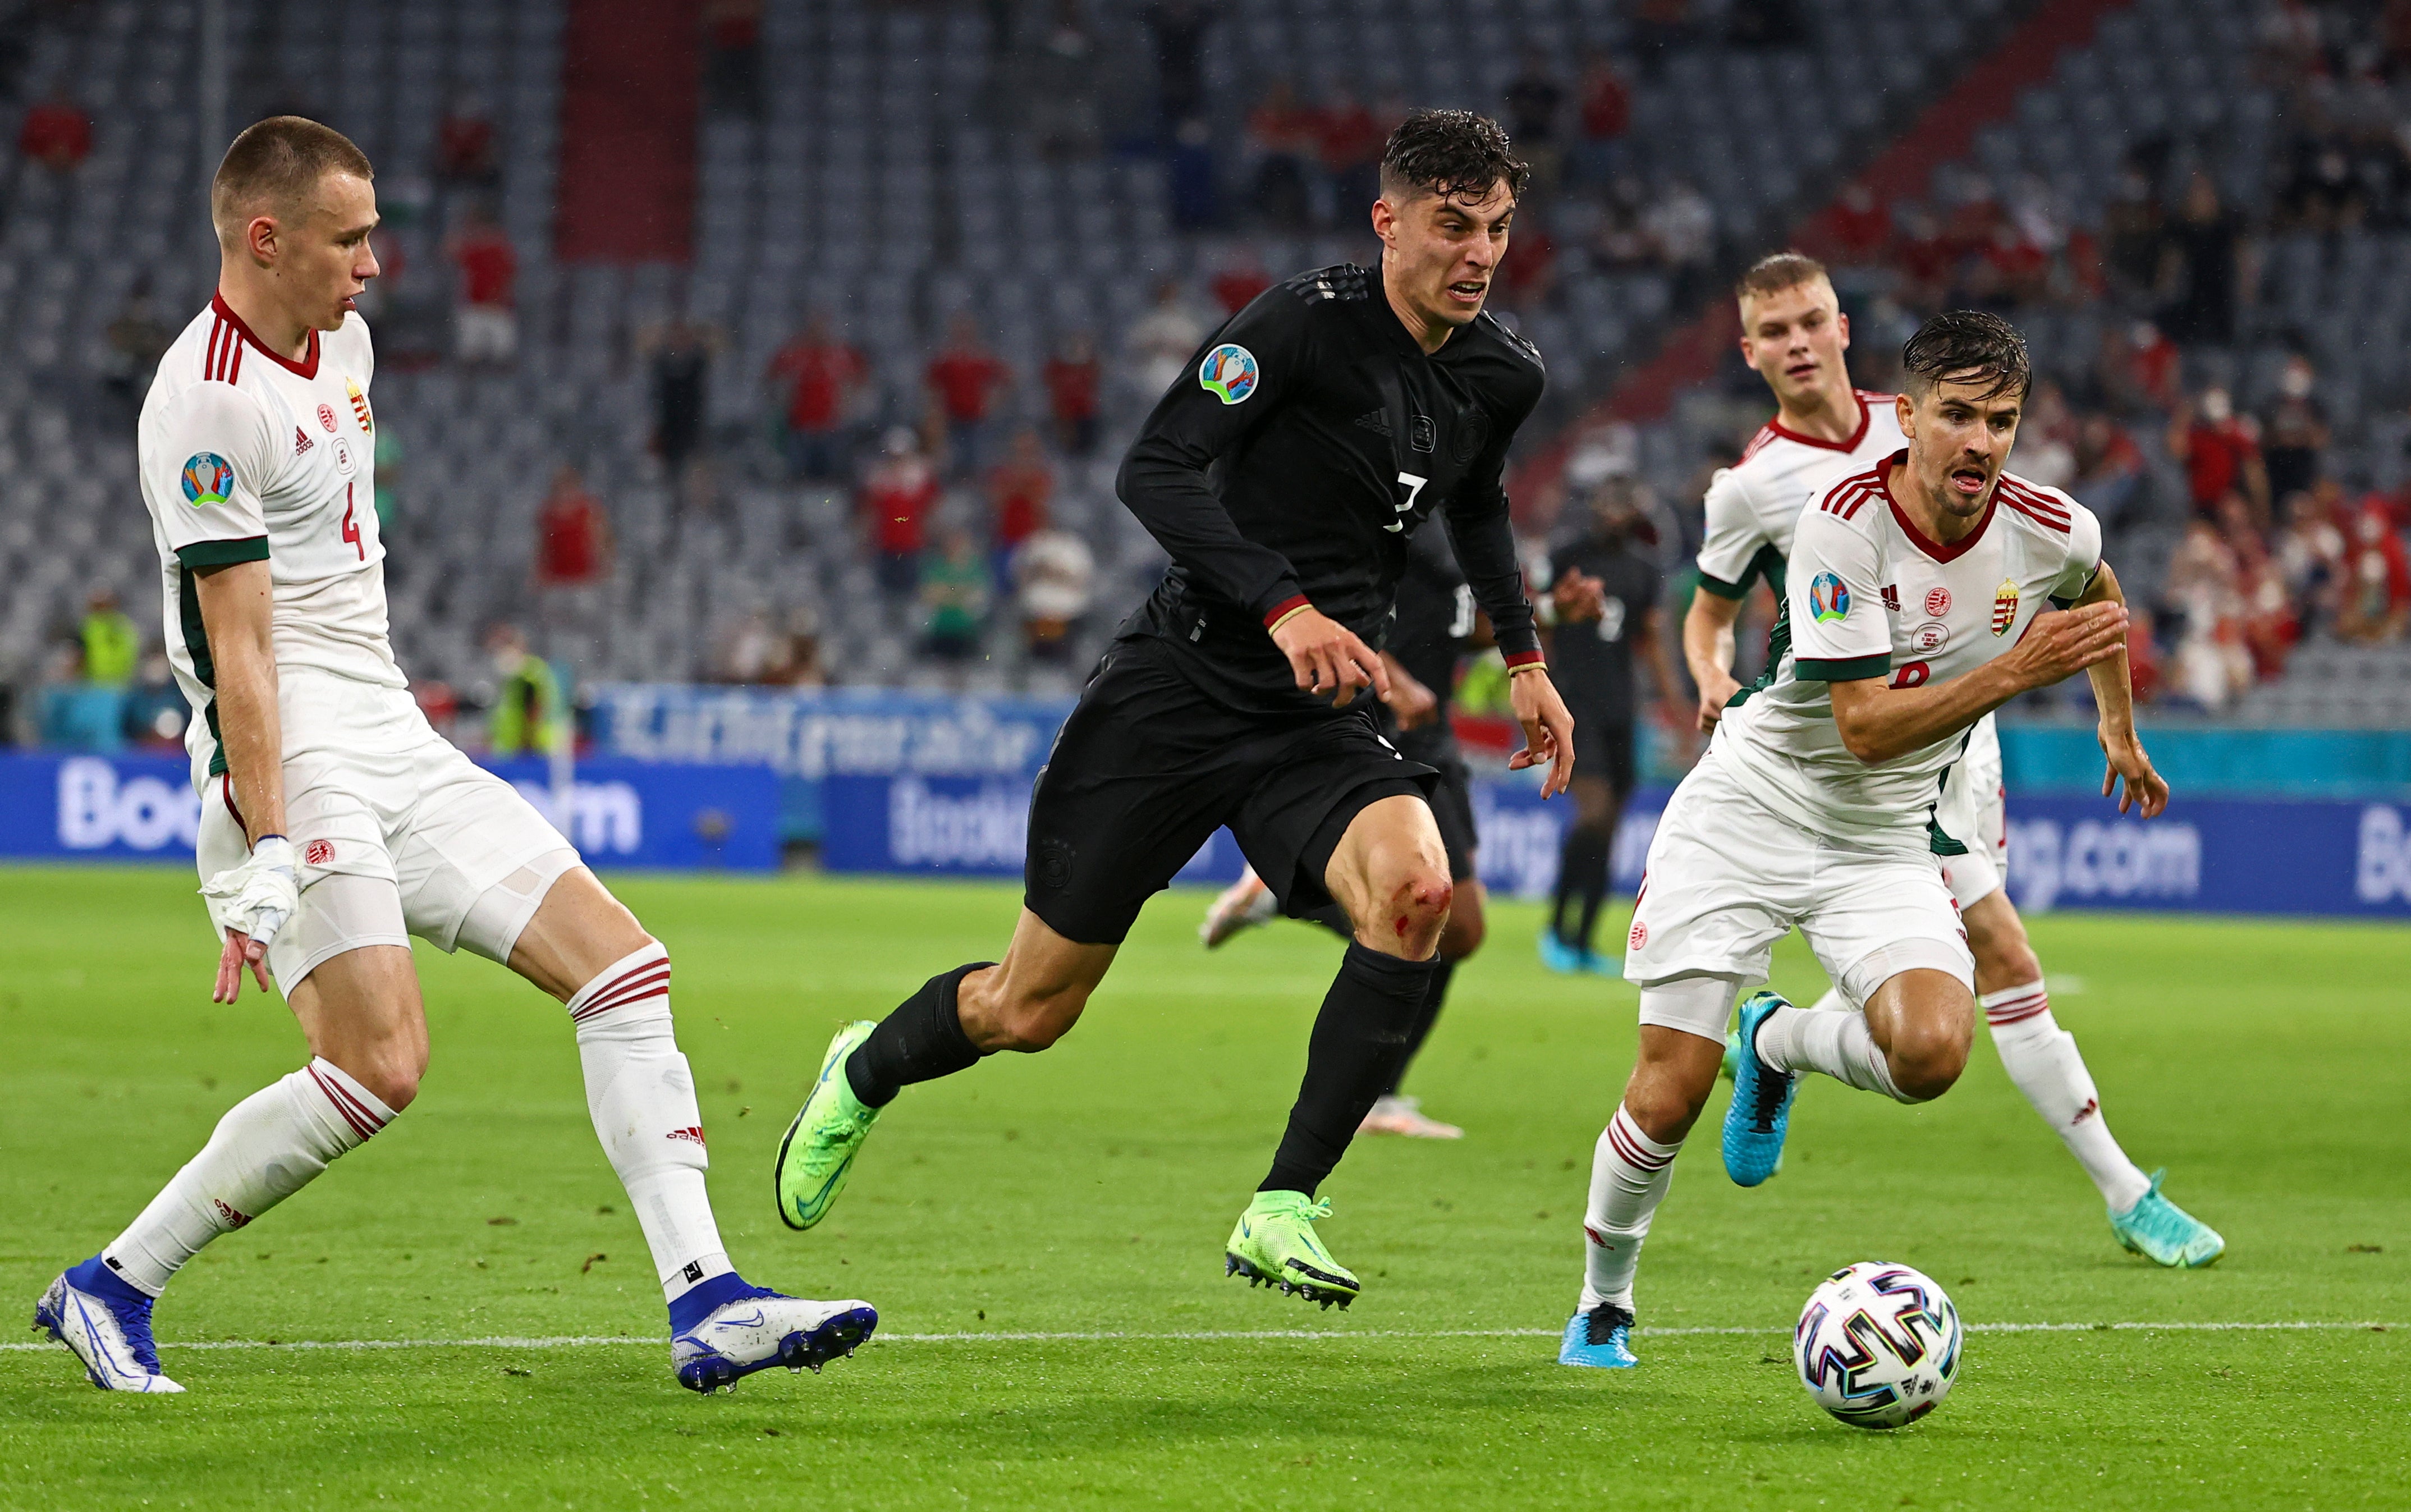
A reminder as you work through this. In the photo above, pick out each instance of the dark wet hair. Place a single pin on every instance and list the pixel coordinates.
(1449, 152)
(1967, 346)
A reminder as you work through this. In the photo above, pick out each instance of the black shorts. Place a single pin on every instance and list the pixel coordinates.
(1603, 747)
(1451, 800)
(1149, 766)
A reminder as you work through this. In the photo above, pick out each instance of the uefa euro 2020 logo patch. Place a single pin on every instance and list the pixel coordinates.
(1229, 372)
(1829, 598)
(208, 480)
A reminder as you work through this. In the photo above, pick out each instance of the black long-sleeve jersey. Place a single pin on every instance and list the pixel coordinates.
(1308, 438)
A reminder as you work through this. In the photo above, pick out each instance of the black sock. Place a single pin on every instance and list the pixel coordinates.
(1361, 1041)
(1581, 876)
(921, 1041)
(1429, 1015)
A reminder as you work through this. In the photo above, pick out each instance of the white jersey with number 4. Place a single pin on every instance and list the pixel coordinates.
(248, 456)
(1870, 596)
(1753, 504)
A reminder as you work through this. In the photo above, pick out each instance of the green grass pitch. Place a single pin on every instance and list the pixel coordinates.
(1082, 1196)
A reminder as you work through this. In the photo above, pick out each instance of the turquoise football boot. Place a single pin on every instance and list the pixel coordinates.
(1559, 957)
(2163, 1233)
(1760, 1110)
(1600, 1338)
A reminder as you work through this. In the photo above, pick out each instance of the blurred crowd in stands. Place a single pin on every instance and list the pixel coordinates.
(2275, 543)
(955, 488)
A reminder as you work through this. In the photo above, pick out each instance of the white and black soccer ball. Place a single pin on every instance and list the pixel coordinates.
(1877, 1346)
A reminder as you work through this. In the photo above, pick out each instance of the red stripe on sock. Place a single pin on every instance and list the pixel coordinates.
(357, 1116)
(2017, 1008)
(599, 1009)
(657, 984)
(352, 1100)
(1630, 1153)
(655, 963)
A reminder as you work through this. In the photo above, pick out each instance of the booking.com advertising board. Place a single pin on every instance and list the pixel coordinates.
(2236, 857)
(620, 813)
(934, 784)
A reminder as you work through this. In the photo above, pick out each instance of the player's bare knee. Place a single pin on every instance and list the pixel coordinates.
(1663, 1105)
(1927, 1058)
(1667, 1093)
(391, 1075)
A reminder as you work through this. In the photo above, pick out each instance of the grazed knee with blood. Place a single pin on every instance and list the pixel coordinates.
(1416, 910)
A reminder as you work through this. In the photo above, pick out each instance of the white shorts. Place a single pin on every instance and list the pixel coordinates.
(421, 842)
(1727, 878)
(1985, 868)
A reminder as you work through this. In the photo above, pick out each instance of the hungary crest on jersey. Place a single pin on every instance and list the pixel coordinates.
(2004, 607)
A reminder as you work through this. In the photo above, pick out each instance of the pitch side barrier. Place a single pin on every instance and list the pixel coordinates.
(2280, 822)
(64, 806)
(2298, 822)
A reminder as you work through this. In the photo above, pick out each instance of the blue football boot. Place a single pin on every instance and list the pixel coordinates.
(107, 1322)
(1761, 1110)
(1564, 959)
(1600, 1338)
(757, 1327)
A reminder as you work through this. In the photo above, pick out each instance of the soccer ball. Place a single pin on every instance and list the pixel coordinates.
(1877, 1346)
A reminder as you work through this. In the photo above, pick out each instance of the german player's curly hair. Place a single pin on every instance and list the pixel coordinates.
(1448, 153)
(1967, 346)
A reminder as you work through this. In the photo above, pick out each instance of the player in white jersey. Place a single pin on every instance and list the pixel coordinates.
(1915, 602)
(1794, 333)
(335, 823)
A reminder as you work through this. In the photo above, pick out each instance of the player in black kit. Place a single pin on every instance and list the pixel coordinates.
(1604, 598)
(1430, 632)
(1313, 434)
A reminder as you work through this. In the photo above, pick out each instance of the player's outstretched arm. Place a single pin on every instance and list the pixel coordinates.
(1878, 722)
(237, 616)
(2114, 694)
(1708, 650)
(1548, 728)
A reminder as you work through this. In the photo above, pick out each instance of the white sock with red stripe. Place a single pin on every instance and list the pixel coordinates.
(1629, 1173)
(642, 1097)
(2042, 1058)
(268, 1147)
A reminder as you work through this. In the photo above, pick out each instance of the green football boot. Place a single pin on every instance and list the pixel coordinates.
(825, 1138)
(2163, 1233)
(1275, 1245)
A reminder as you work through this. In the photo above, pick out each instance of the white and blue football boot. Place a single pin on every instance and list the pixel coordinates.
(1600, 1338)
(755, 1328)
(1760, 1110)
(107, 1322)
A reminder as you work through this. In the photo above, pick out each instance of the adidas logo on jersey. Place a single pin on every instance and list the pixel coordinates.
(1375, 421)
(300, 441)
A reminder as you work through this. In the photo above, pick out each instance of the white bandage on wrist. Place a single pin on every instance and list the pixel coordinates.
(257, 896)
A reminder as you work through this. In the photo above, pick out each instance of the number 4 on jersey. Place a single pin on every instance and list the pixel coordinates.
(351, 528)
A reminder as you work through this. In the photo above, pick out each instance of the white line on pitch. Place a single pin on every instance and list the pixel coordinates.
(588, 1340)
